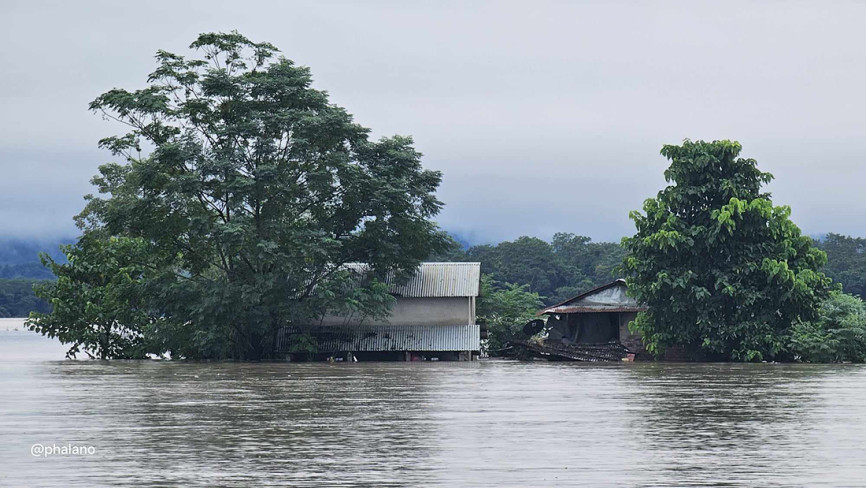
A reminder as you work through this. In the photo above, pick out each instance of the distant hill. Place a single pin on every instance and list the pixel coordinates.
(32, 271)
(20, 269)
(19, 257)
(464, 241)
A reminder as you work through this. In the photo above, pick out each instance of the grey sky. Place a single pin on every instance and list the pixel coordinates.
(543, 116)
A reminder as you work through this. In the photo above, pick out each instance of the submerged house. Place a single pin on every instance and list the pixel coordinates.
(597, 317)
(433, 318)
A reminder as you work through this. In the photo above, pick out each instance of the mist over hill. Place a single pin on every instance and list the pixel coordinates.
(19, 257)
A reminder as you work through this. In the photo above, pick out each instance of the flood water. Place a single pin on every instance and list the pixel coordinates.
(485, 423)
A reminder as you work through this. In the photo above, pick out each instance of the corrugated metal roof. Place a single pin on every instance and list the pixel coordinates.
(435, 280)
(611, 297)
(393, 338)
(600, 308)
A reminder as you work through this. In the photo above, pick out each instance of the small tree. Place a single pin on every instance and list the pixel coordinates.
(505, 308)
(722, 270)
(838, 333)
(98, 305)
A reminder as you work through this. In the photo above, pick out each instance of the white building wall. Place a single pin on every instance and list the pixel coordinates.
(420, 311)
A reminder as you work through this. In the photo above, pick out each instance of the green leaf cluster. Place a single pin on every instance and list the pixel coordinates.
(97, 304)
(504, 308)
(724, 271)
(837, 334)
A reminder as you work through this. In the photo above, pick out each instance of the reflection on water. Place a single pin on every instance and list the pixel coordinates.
(760, 425)
(487, 423)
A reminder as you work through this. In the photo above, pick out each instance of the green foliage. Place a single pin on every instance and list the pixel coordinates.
(585, 264)
(556, 271)
(97, 303)
(838, 333)
(723, 270)
(17, 298)
(846, 262)
(527, 260)
(505, 308)
(256, 192)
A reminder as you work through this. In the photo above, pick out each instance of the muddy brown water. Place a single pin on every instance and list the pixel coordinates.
(485, 423)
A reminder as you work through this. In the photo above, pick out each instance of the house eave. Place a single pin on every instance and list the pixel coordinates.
(567, 310)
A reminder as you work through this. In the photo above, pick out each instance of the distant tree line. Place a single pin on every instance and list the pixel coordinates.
(33, 271)
(846, 262)
(18, 300)
(20, 255)
(570, 264)
(555, 271)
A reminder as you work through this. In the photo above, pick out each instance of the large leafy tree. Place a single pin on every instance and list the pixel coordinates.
(252, 190)
(723, 270)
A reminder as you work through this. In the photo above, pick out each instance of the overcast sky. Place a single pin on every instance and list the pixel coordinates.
(543, 116)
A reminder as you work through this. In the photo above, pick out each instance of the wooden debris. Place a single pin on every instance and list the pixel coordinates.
(612, 351)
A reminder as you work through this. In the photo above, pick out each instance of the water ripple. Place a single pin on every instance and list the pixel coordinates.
(493, 423)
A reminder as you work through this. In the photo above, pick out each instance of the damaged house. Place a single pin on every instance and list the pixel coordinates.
(592, 326)
(433, 318)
